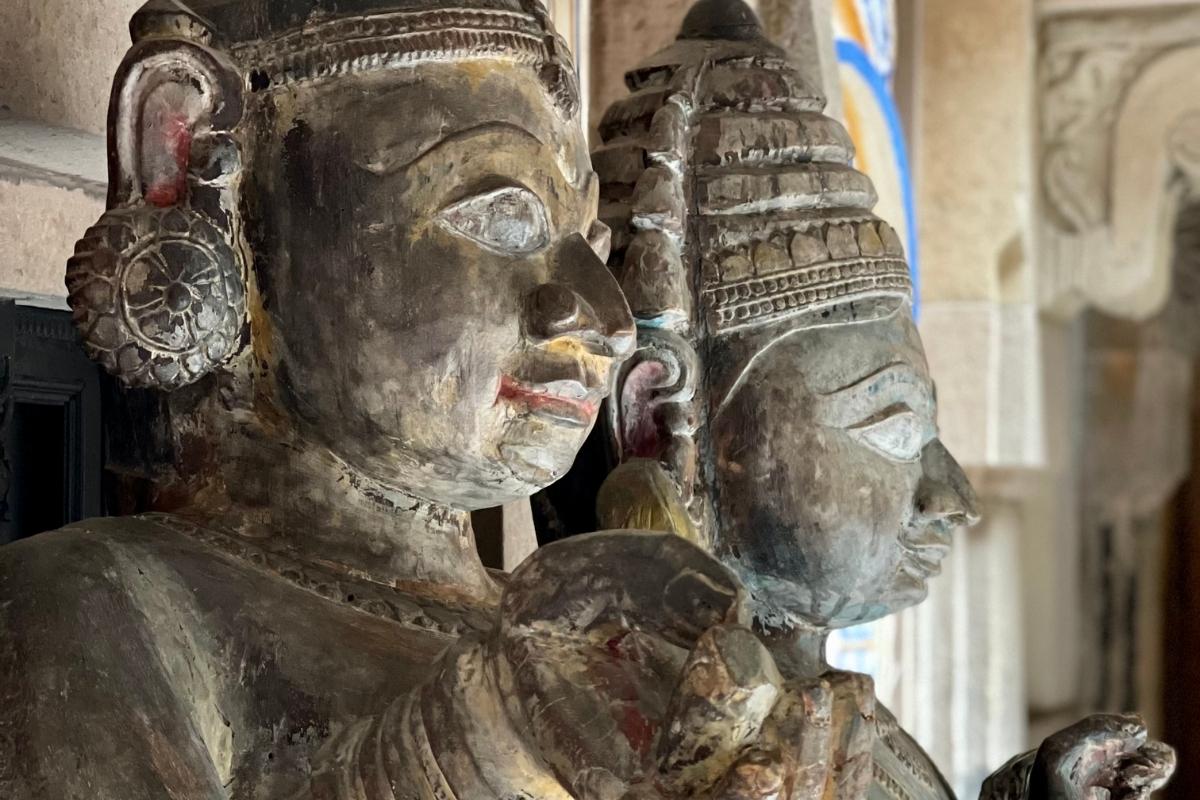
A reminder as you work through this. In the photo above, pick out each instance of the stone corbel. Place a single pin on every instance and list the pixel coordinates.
(1118, 154)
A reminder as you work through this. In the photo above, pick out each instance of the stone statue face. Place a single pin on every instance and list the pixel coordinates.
(433, 309)
(833, 496)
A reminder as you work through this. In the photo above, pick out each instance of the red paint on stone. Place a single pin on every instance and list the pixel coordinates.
(614, 645)
(638, 730)
(175, 139)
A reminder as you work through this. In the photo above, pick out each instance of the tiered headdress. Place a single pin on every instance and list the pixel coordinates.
(280, 42)
(731, 194)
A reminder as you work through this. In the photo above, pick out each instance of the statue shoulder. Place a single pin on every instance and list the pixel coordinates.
(82, 672)
(66, 581)
(80, 555)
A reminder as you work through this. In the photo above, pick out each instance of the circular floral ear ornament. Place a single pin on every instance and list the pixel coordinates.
(158, 296)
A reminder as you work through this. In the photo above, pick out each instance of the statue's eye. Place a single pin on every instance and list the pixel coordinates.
(511, 220)
(897, 433)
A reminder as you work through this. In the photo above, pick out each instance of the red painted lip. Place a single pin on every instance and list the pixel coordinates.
(567, 402)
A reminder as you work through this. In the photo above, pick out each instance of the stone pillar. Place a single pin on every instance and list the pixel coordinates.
(975, 93)
(1051, 539)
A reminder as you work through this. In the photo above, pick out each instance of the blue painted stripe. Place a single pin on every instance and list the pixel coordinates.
(852, 54)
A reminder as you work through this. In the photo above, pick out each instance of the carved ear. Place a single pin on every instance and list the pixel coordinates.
(157, 286)
(652, 414)
(171, 102)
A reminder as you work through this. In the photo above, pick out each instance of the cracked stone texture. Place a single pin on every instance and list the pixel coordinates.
(57, 58)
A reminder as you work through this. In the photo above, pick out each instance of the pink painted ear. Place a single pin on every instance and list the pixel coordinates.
(167, 95)
(641, 433)
(655, 390)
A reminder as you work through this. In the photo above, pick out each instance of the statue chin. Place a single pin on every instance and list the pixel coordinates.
(781, 603)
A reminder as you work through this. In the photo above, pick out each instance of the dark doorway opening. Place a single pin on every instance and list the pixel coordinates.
(37, 491)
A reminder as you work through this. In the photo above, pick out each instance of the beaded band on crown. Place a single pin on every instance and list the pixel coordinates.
(357, 44)
(840, 260)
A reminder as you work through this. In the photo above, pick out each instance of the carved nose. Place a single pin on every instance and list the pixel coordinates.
(944, 494)
(583, 303)
(555, 311)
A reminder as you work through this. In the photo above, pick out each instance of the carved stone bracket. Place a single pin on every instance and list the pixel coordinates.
(1117, 155)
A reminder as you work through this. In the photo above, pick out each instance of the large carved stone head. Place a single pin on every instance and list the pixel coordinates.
(779, 409)
(365, 225)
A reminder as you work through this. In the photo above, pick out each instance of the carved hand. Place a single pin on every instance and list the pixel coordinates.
(1103, 756)
(631, 664)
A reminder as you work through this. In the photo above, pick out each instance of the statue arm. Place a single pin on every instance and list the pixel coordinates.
(87, 705)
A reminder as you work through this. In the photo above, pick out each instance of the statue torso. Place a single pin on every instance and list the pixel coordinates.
(144, 647)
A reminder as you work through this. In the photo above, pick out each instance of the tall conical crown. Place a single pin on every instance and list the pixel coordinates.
(732, 196)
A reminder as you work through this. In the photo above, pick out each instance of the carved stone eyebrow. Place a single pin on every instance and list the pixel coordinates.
(392, 158)
(895, 384)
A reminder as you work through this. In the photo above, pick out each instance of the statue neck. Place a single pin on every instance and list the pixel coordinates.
(303, 499)
(799, 651)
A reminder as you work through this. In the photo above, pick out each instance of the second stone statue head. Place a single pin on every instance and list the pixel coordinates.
(372, 230)
(779, 410)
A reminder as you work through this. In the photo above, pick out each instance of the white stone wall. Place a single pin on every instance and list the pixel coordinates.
(57, 58)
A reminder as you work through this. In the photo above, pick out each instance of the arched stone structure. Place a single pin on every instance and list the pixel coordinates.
(1118, 169)
(1116, 155)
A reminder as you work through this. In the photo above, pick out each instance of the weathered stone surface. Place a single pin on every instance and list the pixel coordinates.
(749, 139)
(736, 268)
(891, 240)
(802, 370)
(658, 200)
(869, 243)
(808, 249)
(620, 164)
(651, 278)
(842, 241)
(797, 188)
(770, 258)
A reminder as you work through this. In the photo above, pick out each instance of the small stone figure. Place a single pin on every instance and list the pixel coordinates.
(779, 410)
